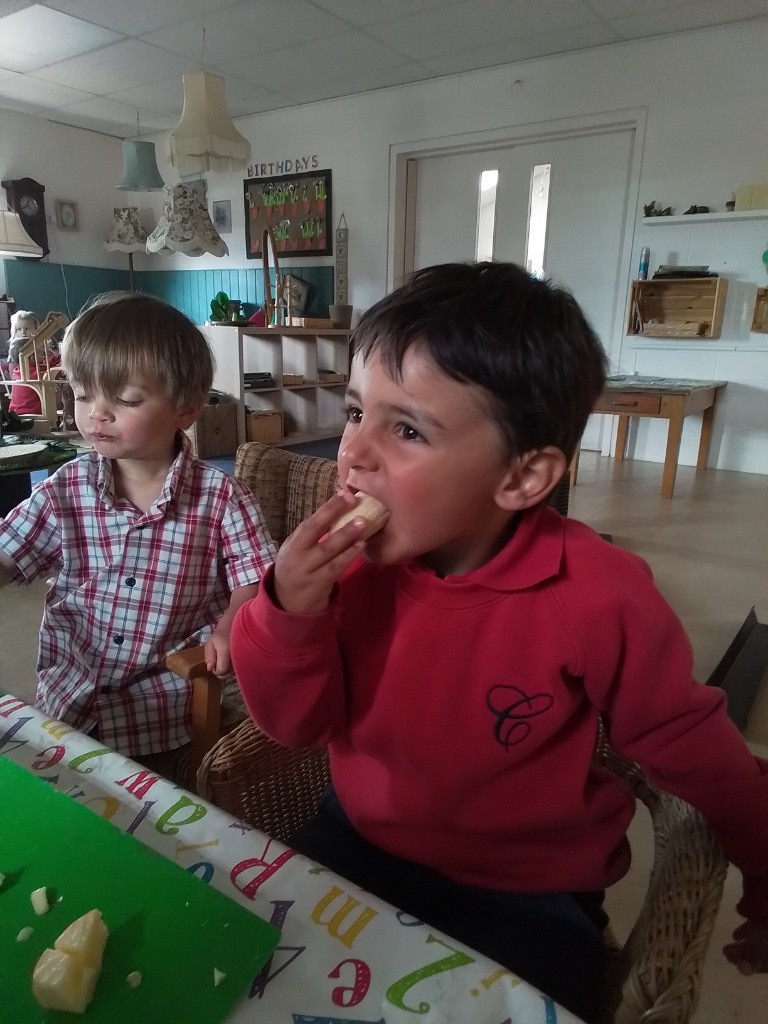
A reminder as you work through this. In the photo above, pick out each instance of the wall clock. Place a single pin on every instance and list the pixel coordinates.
(26, 197)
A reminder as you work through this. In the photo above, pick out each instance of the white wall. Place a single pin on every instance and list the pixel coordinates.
(706, 95)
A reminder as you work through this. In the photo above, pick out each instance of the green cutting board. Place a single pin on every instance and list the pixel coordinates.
(163, 921)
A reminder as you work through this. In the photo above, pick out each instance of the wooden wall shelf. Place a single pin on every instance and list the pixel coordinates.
(682, 307)
(705, 218)
(760, 312)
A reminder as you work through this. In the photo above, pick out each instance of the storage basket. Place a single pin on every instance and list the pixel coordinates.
(266, 427)
(292, 379)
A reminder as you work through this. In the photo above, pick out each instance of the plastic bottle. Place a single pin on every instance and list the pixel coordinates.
(645, 258)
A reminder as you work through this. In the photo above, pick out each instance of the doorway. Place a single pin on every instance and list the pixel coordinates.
(592, 203)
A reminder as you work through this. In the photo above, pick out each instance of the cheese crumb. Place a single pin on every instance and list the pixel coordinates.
(218, 976)
(24, 934)
(134, 979)
(40, 904)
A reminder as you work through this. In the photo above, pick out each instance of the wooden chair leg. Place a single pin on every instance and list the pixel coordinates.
(206, 702)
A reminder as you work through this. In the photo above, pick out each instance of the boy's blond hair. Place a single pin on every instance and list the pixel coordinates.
(124, 333)
(21, 315)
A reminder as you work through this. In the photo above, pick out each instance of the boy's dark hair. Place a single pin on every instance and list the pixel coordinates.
(122, 333)
(524, 341)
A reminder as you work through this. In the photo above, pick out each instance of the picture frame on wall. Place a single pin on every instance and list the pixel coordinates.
(222, 216)
(66, 215)
(298, 208)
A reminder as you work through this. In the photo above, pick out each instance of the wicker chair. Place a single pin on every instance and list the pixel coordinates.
(654, 978)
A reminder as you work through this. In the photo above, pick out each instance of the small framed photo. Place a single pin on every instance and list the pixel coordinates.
(222, 216)
(66, 215)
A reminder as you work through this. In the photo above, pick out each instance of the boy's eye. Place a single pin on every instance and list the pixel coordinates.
(407, 432)
(354, 415)
(128, 403)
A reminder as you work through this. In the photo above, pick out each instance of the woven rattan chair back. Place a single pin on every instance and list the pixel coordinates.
(655, 978)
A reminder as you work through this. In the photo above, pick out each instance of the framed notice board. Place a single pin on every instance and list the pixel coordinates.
(298, 209)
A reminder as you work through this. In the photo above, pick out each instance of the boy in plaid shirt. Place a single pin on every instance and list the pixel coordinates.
(150, 549)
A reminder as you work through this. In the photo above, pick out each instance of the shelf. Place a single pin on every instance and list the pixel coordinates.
(705, 218)
(303, 411)
(677, 307)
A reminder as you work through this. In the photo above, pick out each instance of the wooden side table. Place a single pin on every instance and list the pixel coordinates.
(671, 399)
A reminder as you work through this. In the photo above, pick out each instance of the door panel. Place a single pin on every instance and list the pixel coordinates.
(587, 213)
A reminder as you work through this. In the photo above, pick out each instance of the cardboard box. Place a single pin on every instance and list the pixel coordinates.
(266, 427)
(214, 432)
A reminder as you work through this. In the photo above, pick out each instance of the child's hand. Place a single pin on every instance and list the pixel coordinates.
(749, 952)
(216, 651)
(311, 560)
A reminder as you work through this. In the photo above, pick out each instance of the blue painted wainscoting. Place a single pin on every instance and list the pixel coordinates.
(42, 286)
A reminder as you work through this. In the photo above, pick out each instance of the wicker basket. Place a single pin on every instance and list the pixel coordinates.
(292, 379)
(266, 427)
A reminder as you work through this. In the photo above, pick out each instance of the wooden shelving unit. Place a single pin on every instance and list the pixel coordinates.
(682, 307)
(311, 410)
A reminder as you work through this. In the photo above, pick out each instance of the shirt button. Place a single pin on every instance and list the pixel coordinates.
(118, 640)
(131, 581)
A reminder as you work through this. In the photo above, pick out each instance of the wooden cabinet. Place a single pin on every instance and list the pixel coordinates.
(681, 307)
(309, 369)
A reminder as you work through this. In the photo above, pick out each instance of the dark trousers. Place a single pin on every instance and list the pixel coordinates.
(552, 940)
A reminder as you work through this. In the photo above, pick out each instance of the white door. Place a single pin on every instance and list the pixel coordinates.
(588, 199)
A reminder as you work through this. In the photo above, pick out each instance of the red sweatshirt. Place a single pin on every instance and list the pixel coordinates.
(461, 713)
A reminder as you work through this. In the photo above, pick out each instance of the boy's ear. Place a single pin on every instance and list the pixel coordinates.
(531, 478)
(188, 413)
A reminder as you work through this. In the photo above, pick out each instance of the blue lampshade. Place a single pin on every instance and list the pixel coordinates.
(140, 173)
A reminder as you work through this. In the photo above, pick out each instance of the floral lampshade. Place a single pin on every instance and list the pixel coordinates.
(206, 139)
(185, 225)
(127, 234)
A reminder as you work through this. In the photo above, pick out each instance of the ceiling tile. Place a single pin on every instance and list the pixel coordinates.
(135, 17)
(357, 13)
(35, 90)
(578, 38)
(38, 36)
(119, 66)
(475, 23)
(690, 16)
(248, 30)
(366, 81)
(314, 61)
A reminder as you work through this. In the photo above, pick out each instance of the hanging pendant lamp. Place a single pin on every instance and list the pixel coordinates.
(206, 139)
(14, 240)
(185, 225)
(140, 173)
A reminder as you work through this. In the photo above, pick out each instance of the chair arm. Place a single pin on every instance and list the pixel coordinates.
(189, 663)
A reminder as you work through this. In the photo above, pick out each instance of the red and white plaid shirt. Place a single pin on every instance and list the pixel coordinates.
(130, 588)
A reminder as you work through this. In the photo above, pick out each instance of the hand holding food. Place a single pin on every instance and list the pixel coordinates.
(311, 560)
(369, 509)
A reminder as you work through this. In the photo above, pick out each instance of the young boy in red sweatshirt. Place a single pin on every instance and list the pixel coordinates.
(456, 662)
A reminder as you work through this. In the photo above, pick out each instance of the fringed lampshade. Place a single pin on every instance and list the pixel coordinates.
(127, 235)
(140, 173)
(14, 240)
(206, 139)
(185, 225)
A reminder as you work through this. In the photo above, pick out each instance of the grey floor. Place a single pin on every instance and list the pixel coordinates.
(708, 549)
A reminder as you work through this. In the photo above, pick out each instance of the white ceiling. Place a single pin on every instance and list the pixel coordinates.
(96, 63)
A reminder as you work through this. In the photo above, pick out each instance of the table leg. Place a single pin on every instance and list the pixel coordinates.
(621, 438)
(671, 455)
(705, 440)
